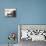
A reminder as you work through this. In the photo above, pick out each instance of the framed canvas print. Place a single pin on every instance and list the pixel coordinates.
(10, 12)
(32, 32)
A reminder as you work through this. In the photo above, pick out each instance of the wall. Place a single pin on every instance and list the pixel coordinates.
(28, 12)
